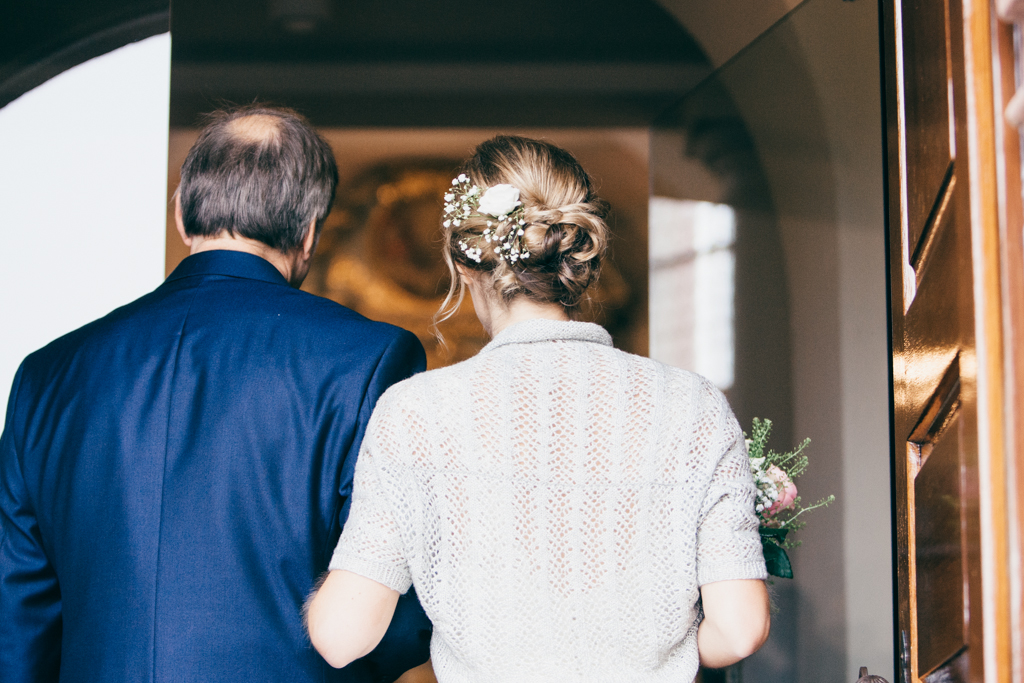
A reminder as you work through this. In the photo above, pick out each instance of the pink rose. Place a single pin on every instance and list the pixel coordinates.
(787, 490)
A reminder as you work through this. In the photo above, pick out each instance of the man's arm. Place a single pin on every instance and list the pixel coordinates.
(30, 603)
(403, 358)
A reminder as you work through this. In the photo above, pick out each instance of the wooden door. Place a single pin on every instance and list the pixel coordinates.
(946, 350)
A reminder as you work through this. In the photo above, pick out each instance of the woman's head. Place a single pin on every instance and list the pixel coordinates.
(548, 247)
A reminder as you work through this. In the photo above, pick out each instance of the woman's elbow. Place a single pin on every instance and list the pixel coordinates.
(348, 616)
(327, 635)
(734, 643)
(323, 643)
(336, 657)
(737, 619)
(750, 639)
(751, 632)
(337, 650)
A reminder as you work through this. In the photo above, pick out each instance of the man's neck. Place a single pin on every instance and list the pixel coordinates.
(285, 262)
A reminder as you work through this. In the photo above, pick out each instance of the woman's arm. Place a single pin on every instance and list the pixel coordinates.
(736, 621)
(348, 615)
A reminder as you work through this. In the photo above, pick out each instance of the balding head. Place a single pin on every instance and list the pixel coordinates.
(254, 128)
(259, 172)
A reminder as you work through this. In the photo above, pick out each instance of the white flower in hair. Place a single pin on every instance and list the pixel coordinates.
(499, 200)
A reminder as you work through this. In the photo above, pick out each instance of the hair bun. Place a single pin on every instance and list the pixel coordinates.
(564, 236)
(573, 231)
(565, 255)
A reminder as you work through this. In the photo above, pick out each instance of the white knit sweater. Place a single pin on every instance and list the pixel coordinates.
(556, 503)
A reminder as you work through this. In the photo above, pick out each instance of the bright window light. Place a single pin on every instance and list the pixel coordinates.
(692, 281)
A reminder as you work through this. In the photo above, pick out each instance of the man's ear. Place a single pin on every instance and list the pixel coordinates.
(179, 223)
(309, 243)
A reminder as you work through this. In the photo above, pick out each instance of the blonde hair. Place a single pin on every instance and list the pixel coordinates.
(565, 232)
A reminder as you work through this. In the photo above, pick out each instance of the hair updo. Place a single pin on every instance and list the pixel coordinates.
(564, 231)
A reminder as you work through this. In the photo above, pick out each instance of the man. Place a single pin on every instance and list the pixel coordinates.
(174, 476)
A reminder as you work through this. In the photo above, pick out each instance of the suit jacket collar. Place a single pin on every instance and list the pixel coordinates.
(230, 264)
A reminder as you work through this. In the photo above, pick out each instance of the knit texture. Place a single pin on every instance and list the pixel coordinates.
(557, 503)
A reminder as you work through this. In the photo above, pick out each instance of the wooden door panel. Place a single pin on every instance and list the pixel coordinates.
(937, 515)
(923, 254)
(928, 117)
(954, 671)
(943, 200)
(932, 328)
(934, 360)
(939, 550)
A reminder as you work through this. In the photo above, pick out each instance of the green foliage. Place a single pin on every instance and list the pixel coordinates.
(775, 528)
(775, 557)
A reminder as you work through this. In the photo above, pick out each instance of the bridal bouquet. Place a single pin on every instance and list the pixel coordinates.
(778, 506)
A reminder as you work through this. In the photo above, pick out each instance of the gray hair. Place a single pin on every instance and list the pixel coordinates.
(258, 172)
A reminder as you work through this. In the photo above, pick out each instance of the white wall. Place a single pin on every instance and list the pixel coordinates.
(83, 166)
(808, 91)
(724, 27)
(822, 153)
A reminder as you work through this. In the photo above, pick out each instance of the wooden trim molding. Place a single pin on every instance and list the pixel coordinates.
(984, 160)
(1011, 253)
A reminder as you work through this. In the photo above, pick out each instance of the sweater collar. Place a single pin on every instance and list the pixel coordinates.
(230, 263)
(538, 330)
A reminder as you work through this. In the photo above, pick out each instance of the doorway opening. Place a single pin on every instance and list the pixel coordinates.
(765, 173)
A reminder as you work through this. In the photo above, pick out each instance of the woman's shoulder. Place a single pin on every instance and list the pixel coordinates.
(410, 415)
(683, 389)
(669, 373)
(423, 389)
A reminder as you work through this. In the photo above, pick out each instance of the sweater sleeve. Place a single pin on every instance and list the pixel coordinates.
(728, 543)
(371, 544)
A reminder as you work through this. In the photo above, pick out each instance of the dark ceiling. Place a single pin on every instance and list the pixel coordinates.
(382, 62)
(386, 30)
(415, 63)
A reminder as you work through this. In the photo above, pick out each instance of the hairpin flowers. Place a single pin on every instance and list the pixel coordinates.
(500, 202)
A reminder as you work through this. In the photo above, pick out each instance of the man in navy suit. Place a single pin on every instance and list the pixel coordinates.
(175, 475)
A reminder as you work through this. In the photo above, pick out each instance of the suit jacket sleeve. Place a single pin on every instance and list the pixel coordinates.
(402, 358)
(30, 602)
(407, 641)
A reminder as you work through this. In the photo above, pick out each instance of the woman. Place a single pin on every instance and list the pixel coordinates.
(561, 506)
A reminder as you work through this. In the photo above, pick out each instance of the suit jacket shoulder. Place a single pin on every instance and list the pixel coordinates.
(184, 465)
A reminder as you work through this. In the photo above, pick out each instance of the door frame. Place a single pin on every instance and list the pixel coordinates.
(993, 171)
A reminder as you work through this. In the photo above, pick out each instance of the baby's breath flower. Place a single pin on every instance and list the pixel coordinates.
(500, 202)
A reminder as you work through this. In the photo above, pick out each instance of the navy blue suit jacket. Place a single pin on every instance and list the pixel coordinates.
(174, 477)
